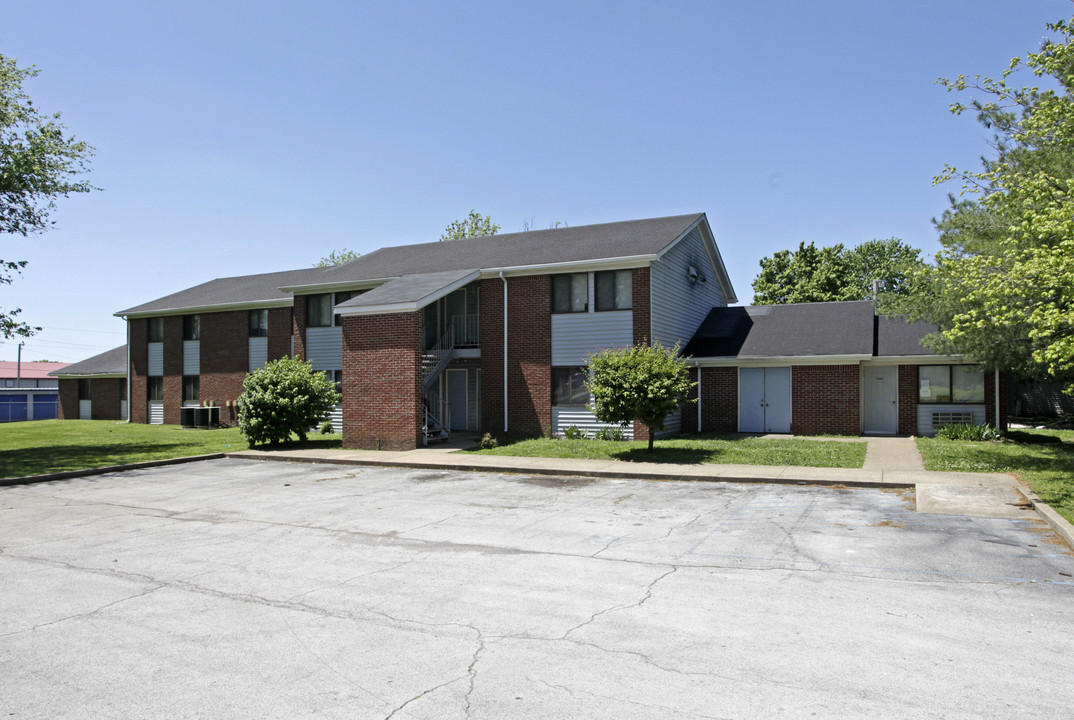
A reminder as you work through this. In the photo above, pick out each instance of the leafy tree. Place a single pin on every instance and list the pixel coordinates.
(643, 383)
(338, 257)
(1002, 289)
(835, 273)
(39, 162)
(283, 398)
(473, 225)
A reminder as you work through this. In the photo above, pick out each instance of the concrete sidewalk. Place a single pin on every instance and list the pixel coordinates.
(890, 463)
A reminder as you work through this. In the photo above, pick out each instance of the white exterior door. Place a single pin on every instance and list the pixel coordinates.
(457, 399)
(880, 387)
(764, 400)
(85, 409)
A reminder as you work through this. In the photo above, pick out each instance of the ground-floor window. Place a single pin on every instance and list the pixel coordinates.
(568, 386)
(154, 388)
(950, 384)
(191, 388)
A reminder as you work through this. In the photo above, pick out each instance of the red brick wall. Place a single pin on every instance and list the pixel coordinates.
(298, 325)
(68, 399)
(173, 368)
(908, 399)
(139, 352)
(719, 401)
(825, 400)
(105, 394)
(280, 331)
(529, 355)
(382, 377)
(225, 360)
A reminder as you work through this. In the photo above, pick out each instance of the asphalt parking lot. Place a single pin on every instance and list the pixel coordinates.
(243, 589)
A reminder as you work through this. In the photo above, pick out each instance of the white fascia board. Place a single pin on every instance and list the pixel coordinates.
(410, 306)
(88, 376)
(333, 286)
(620, 263)
(194, 310)
(709, 241)
(920, 360)
(778, 361)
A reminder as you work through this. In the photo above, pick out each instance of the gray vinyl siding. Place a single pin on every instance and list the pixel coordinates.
(324, 347)
(924, 415)
(192, 357)
(259, 353)
(678, 308)
(156, 359)
(563, 416)
(575, 335)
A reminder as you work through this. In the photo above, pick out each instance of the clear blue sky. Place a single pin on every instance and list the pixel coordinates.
(244, 137)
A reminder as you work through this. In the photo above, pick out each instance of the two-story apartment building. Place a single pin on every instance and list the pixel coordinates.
(491, 334)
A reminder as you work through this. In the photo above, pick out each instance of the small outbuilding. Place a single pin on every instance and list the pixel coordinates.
(96, 388)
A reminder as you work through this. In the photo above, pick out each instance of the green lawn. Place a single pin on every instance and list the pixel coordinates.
(698, 449)
(1043, 459)
(34, 448)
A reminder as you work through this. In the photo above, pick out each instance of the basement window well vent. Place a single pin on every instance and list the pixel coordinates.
(952, 418)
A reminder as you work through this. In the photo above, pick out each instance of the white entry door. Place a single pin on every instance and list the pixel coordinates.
(880, 388)
(457, 399)
(764, 400)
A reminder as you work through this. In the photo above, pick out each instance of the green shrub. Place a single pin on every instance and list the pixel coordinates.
(488, 442)
(615, 434)
(326, 428)
(574, 433)
(977, 433)
(284, 398)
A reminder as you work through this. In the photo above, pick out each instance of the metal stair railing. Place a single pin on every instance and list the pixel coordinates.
(433, 410)
(436, 358)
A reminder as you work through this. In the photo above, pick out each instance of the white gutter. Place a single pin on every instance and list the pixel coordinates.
(504, 352)
(698, 395)
(997, 401)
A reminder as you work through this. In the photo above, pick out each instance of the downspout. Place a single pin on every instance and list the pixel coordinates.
(128, 321)
(998, 430)
(504, 352)
(698, 364)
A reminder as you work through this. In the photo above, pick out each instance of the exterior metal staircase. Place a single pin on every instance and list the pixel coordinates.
(433, 363)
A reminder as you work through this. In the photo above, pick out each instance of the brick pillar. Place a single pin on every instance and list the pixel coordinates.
(281, 328)
(173, 368)
(382, 381)
(298, 326)
(137, 393)
(68, 392)
(908, 399)
(639, 293)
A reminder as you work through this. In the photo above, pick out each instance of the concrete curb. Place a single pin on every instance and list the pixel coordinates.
(581, 472)
(1050, 516)
(29, 479)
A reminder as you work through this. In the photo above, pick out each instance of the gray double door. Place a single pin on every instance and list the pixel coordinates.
(764, 400)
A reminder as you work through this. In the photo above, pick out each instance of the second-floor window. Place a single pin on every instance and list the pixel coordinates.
(156, 329)
(259, 323)
(342, 297)
(570, 293)
(319, 310)
(192, 327)
(613, 290)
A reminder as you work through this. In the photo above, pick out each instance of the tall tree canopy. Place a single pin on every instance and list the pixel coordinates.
(809, 274)
(39, 162)
(338, 257)
(1002, 289)
(473, 225)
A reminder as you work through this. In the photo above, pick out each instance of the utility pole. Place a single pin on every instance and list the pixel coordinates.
(18, 366)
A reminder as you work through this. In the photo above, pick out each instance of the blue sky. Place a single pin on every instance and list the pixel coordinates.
(244, 137)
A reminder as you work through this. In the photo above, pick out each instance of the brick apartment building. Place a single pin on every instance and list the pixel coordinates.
(491, 335)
